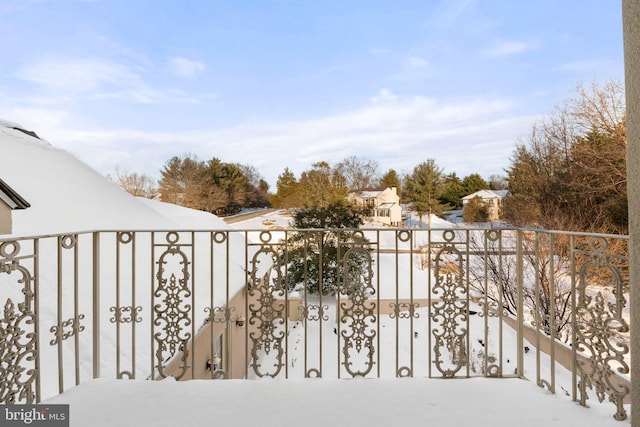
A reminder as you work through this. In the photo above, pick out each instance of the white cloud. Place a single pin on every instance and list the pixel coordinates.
(183, 67)
(384, 95)
(448, 12)
(509, 48)
(417, 62)
(76, 75)
(467, 136)
(584, 65)
(98, 79)
(36, 118)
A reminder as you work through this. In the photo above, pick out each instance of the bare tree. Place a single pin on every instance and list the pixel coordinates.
(138, 185)
(546, 288)
(498, 182)
(358, 173)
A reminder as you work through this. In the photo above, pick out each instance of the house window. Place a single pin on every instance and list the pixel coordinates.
(384, 212)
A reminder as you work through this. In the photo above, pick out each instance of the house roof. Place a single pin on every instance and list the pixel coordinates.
(11, 197)
(67, 195)
(386, 205)
(486, 194)
(370, 192)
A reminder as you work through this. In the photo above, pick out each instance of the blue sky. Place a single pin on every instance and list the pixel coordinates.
(283, 83)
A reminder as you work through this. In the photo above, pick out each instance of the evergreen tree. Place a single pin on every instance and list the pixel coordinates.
(422, 189)
(213, 186)
(453, 192)
(319, 261)
(184, 182)
(390, 180)
(287, 191)
(473, 183)
(231, 180)
(476, 210)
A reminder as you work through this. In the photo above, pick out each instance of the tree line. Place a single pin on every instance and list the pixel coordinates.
(568, 173)
(426, 189)
(226, 188)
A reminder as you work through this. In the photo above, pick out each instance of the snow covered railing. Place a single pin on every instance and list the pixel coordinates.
(549, 306)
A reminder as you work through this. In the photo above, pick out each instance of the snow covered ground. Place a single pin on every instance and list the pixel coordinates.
(325, 402)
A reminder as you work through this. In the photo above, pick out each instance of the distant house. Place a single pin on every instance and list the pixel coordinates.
(9, 200)
(493, 199)
(379, 205)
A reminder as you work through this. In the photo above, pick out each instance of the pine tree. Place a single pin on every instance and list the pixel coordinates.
(317, 261)
(390, 180)
(287, 191)
(422, 189)
(476, 210)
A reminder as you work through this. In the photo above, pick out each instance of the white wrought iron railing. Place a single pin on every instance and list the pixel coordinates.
(549, 306)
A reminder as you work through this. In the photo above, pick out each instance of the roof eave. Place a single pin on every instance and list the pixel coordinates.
(11, 197)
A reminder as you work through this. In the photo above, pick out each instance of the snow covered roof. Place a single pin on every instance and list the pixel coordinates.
(16, 126)
(486, 194)
(66, 195)
(188, 218)
(386, 205)
(369, 193)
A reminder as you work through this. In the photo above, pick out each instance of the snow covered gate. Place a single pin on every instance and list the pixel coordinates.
(544, 305)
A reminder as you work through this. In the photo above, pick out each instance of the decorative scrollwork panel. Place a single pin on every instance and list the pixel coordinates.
(66, 329)
(172, 310)
(449, 314)
(357, 314)
(126, 314)
(404, 310)
(18, 337)
(600, 330)
(313, 312)
(220, 314)
(267, 314)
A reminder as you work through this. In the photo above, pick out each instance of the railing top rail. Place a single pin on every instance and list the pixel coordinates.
(14, 237)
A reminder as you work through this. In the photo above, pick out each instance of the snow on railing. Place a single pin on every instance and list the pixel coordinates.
(545, 305)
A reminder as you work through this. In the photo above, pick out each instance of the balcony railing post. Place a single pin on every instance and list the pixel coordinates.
(520, 305)
(631, 36)
(36, 310)
(96, 305)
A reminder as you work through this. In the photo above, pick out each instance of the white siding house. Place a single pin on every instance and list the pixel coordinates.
(493, 198)
(379, 205)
